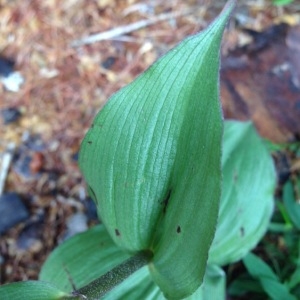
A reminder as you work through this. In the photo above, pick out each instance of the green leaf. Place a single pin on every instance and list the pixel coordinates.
(243, 285)
(152, 161)
(89, 255)
(247, 202)
(295, 278)
(291, 205)
(82, 259)
(85, 257)
(214, 285)
(284, 214)
(31, 290)
(267, 278)
(282, 2)
(187, 229)
(141, 286)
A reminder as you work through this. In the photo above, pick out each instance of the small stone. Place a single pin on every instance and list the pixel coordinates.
(30, 236)
(91, 209)
(13, 81)
(33, 142)
(10, 79)
(29, 159)
(109, 62)
(12, 211)
(6, 66)
(22, 167)
(75, 156)
(75, 224)
(10, 115)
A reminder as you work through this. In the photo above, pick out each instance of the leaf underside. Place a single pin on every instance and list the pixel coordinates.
(89, 255)
(247, 202)
(31, 290)
(152, 161)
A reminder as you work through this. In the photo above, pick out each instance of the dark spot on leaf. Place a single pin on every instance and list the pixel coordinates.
(178, 230)
(89, 142)
(117, 232)
(166, 201)
(242, 230)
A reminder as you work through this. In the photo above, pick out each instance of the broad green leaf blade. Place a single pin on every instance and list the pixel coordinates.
(81, 259)
(214, 285)
(267, 278)
(187, 228)
(292, 206)
(243, 285)
(152, 161)
(138, 286)
(247, 202)
(31, 290)
(89, 255)
(295, 278)
(141, 286)
(282, 2)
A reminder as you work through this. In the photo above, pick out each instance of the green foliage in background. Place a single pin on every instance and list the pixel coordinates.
(152, 161)
(274, 271)
(31, 290)
(282, 2)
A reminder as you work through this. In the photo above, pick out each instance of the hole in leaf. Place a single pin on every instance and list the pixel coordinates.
(178, 230)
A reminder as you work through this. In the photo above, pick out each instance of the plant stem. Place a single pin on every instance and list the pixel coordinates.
(99, 287)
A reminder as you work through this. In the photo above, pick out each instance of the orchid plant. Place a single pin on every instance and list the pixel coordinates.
(179, 192)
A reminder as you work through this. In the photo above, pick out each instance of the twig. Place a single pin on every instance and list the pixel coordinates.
(6, 160)
(110, 34)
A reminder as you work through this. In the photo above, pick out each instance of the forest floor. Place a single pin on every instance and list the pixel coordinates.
(65, 84)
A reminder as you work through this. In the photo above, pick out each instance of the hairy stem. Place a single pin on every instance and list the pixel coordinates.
(99, 287)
